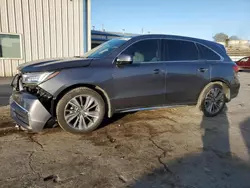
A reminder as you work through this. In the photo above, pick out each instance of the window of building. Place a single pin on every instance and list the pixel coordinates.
(207, 54)
(10, 46)
(178, 50)
(144, 51)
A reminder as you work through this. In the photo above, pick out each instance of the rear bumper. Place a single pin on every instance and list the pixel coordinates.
(28, 112)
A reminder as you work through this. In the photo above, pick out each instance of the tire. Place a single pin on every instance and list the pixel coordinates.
(209, 96)
(74, 104)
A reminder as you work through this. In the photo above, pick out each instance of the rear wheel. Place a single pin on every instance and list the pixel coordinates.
(80, 110)
(213, 101)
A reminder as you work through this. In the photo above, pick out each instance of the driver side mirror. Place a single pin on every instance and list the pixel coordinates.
(124, 59)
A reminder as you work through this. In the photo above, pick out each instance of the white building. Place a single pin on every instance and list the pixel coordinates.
(239, 43)
(39, 29)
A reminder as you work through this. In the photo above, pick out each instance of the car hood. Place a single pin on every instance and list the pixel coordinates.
(53, 64)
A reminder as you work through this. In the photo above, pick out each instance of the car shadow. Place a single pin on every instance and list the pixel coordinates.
(245, 132)
(204, 170)
(216, 133)
(116, 117)
(213, 166)
(245, 71)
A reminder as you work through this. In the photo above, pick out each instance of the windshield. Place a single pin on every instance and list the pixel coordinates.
(105, 48)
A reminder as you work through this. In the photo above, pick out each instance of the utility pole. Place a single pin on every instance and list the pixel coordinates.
(141, 30)
(102, 27)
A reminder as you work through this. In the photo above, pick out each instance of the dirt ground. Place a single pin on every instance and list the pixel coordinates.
(175, 148)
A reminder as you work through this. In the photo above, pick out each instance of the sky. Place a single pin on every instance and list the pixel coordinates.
(194, 18)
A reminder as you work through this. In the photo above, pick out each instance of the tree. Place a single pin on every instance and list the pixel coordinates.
(234, 37)
(220, 37)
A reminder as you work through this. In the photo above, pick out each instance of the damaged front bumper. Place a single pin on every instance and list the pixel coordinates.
(27, 111)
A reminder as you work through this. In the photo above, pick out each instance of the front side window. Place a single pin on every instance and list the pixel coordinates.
(144, 51)
(207, 54)
(10, 46)
(105, 48)
(178, 50)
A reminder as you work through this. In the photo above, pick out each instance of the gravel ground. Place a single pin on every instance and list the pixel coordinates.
(176, 148)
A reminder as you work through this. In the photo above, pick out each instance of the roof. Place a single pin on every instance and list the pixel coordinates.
(175, 37)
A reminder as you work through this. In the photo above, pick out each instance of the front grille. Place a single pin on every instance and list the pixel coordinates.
(22, 118)
(21, 115)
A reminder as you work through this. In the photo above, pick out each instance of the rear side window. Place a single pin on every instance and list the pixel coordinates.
(207, 54)
(178, 50)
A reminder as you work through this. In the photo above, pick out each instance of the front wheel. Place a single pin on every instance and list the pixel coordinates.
(213, 101)
(80, 110)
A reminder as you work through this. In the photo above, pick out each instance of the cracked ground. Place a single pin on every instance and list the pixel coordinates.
(175, 148)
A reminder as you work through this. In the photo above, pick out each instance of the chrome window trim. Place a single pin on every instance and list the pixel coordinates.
(167, 38)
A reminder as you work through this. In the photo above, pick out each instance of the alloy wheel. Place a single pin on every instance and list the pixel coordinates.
(214, 100)
(81, 112)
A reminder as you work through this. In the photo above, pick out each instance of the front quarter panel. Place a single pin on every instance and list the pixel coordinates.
(96, 75)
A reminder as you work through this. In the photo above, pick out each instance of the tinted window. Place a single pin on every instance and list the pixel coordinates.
(105, 48)
(177, 50)
(144, 51)
(207, 54)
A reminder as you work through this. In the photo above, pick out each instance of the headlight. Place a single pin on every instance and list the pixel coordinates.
(37, 77)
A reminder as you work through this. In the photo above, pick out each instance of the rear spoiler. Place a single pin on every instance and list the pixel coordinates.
(222, 47)
(224, 52)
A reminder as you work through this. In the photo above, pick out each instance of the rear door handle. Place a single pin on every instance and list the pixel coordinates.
(202, 70)
(156, 71)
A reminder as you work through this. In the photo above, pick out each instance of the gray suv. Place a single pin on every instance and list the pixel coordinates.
(123, 75)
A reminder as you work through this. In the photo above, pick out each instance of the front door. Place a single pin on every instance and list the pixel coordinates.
(140, 84)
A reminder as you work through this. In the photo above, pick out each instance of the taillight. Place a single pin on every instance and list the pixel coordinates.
(236, 68)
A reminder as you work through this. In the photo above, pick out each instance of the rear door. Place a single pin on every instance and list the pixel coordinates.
(186, 74)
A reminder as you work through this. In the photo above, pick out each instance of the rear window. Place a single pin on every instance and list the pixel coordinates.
(177, 50)
(207, 54)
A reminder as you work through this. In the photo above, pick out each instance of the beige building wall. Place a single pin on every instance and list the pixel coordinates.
(48, 29)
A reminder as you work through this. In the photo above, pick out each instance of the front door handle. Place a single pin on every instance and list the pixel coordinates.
(202, 70)
(157, 71)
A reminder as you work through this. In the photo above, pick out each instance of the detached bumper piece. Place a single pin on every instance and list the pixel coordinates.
(28, 112)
